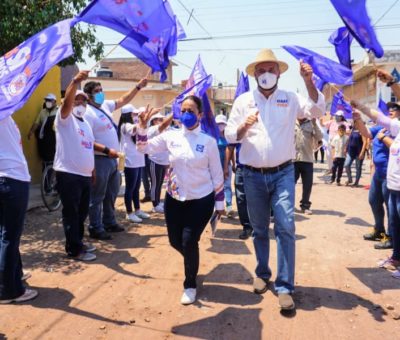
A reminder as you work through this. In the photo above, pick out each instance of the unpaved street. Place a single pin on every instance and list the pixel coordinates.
(133, 289)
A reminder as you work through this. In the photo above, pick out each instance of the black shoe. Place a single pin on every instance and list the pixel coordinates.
(386, 243)
(245, 234)
(374, 235)
(115, 228)
(145, 199)
(102, 235)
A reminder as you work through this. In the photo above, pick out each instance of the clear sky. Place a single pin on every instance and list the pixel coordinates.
(274, 22)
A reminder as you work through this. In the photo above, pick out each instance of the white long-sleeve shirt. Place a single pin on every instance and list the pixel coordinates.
(270, 141)
(195, 169)
(393, 172)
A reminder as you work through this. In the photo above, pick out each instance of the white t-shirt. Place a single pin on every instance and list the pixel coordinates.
(74, 146)
(161, 158)
(12, 160)
(339, 144)
(393, 173)
(133, 158)
(103, 130)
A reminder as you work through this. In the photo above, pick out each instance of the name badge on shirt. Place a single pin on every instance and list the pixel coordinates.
(282, 102)
(199, 148)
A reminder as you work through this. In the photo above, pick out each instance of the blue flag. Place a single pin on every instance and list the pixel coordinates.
(355, 17)
(382, 106)
(318, 82)
(151, 28)
(243, 85)
(199, 89)
(338, 103)
(22, 69)
(342, 39)
(203, 83)
(325, 68)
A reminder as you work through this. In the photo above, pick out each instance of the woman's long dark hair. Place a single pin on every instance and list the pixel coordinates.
(125, 118)
(197, 100)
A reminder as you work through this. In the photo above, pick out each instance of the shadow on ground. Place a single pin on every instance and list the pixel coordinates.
(231, 323)
(376, 279)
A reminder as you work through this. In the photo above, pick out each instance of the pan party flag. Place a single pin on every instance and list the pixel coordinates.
(22, 69)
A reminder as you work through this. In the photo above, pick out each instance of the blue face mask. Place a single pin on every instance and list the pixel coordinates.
(99, 98)
(188, 119)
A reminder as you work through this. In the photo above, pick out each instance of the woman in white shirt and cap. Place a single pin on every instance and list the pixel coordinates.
(74, 166)
(158, 161)
(134, 163)
(195, 184)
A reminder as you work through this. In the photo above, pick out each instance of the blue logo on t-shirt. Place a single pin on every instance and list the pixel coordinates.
(199, 148)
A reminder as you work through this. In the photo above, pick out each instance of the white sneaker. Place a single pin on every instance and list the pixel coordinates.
(133, 218)
(141, 214)
(189, 296)
(229, 211)
(158, 209)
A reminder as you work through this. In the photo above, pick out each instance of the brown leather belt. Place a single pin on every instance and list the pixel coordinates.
(270, 170)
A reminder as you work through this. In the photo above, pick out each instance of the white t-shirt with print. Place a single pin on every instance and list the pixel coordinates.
(103, 130)
(393, 173)
(74, 146)
(133, 158)
(161, 158)
(12, 160)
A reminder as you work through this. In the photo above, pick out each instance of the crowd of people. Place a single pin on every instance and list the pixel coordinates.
(270, 140)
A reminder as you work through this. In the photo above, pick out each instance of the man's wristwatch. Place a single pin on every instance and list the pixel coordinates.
(138, 87)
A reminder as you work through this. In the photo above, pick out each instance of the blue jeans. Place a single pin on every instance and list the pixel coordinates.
(347, 165)
(132, 186)
(103, 194)
(394, 220)
(276, 191)
(241, 201)
(228, 189)
(14, 196)
(378, 197)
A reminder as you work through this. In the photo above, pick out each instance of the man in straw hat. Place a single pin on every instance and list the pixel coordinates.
(263, 121)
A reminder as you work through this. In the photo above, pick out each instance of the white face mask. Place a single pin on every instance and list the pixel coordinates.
(49, 105)
(267, 80)
(79, 111)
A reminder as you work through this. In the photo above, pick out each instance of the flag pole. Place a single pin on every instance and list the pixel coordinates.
(111, 51)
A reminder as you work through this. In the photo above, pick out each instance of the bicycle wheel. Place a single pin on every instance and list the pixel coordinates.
(50, 196)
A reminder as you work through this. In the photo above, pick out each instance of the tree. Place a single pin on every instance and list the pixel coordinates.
(21, 19)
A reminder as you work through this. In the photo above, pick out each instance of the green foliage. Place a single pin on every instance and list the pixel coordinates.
(21, 19)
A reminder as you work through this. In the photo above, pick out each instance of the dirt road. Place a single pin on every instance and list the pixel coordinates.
(132, 291)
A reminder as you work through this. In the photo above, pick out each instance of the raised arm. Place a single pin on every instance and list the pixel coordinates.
(68, 103)
(128, 96)
(388, 79)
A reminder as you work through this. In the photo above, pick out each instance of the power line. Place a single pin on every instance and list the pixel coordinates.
(387, 11)
(270, 34)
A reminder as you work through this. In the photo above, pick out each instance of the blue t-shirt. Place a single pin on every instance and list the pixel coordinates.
(380, 152)
(355, 144)
(222, 145)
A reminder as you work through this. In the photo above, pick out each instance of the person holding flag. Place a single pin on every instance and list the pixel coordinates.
(263, 121)
(195, 184)
(106, 187)
(393, 175)
(381, 140)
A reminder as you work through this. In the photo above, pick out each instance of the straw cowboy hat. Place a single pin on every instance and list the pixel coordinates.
(266, 55)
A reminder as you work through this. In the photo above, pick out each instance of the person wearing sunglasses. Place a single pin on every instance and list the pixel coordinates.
(195, 184)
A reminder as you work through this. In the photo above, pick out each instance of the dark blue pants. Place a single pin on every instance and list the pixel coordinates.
(185, 223)
(337, 169)
(306, 171)
(378, 198)
(132, 186)
(74, 192)
(14, 197)
(241, 201)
